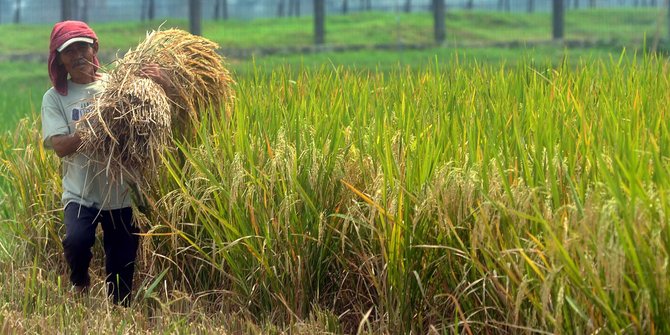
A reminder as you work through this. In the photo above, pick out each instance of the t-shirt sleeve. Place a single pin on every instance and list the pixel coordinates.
(54, 121)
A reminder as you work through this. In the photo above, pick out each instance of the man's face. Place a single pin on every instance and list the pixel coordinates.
(77, 58)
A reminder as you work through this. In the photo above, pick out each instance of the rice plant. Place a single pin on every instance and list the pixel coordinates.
(462, 198)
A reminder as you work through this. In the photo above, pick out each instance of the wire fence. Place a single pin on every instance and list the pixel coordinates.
(646, 17)
(41, 11)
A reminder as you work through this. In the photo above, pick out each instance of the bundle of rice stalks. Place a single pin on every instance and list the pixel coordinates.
(129, 125)
(196, 72)
(132, 120)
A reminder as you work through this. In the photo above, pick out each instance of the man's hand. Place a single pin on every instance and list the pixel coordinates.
(65, 144)
(155, 73)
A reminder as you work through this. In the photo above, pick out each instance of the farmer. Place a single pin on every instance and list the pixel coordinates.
(89, 197)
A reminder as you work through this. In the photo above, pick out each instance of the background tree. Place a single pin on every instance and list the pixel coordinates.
(195, 16)
(504, 5)
(148, 10)
(439, 26)
(470, 4)
(558, 19)
(345, 6)
(407, 8)
(531, 6)
(17, 12)
(294, 8)
(319, 22)
(66, 10)
(366, 4)
(280, 8)
(220, 9)
(84, 10)
(151, 11)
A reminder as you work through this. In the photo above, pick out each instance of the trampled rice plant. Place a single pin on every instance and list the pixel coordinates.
(459, 199)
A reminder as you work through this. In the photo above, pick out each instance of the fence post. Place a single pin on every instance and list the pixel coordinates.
(17, 12)
(195, 16)
(438, 21)
(65, 10)
(558, 19)
(319, 22)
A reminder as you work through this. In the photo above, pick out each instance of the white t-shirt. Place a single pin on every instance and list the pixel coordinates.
(84, 180)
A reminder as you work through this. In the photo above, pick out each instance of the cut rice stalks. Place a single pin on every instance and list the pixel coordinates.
(133, 119)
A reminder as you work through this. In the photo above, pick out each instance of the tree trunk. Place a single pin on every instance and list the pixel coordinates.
(294, 8)
(345, 6)
(470, 4)
(531, 6)
(217, 10)
(143, 10)
(151, 12)
(66, 10)
(438, 21)
(280, 8)
(592, 3)
(84, 10)
(17, 12)
(319, 22)
(558, 21)
(225, 9)
(195, 16)
(575, 5)
(408, 6)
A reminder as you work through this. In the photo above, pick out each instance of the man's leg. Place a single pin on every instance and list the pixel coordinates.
(80, 227)
(121, 243)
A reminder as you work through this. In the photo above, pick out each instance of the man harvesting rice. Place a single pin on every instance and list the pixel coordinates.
(89, 196)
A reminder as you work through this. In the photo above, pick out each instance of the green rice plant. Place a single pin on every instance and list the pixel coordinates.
(31, 194)
(461, 198)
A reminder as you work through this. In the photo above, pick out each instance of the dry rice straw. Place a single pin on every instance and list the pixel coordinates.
(131, 121)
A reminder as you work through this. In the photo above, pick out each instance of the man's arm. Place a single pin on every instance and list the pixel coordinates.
(64, 145)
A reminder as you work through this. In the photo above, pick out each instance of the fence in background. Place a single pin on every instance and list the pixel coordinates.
(49, 11)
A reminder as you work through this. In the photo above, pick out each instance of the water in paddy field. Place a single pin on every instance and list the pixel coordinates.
(48, 11)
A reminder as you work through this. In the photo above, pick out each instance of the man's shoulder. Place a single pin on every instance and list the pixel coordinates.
(50, 92)
(51, 96)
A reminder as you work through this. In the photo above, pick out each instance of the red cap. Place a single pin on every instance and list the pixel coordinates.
(61, 34)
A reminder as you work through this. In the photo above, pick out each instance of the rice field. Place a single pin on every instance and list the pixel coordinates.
(458, 198)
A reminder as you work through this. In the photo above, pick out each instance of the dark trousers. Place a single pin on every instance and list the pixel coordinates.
(120, 241)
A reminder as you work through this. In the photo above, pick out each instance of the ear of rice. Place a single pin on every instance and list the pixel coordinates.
(132, 120)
